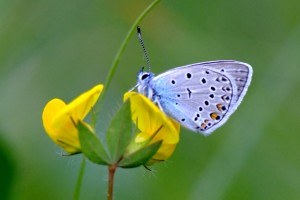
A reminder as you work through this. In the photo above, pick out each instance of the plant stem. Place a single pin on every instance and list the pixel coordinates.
(79, 179)
(122, 49)
(111, 174)
(112, 168)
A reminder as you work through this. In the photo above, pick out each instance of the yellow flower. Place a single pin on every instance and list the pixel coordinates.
(60, 119)
(150, 120)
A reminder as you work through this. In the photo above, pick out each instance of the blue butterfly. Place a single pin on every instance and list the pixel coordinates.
(200, 96)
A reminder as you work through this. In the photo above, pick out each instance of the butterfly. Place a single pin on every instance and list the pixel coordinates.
(200, 96)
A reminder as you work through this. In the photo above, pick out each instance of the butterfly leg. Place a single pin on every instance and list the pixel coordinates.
(155, 99)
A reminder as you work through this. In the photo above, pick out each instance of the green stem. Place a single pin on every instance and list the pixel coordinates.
(112, 168)
(122, 49)
(79, 179)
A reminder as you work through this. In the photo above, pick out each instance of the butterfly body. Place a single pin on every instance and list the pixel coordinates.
(200, 96)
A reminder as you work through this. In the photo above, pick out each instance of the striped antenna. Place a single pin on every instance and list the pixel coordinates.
(143, 46)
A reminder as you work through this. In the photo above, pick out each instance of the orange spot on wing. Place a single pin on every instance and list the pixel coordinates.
(219, 107)
(214, 116)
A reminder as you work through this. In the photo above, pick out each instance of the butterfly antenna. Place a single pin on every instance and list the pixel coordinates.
(143, 46)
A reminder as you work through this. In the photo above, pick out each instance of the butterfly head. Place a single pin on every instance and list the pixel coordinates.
(143, 80)
(144, 77)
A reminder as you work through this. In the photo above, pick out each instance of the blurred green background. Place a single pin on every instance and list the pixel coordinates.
(60, 48)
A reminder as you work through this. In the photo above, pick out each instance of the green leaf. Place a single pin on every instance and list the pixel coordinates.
(140, 157)
(90, 145)
(119, 133)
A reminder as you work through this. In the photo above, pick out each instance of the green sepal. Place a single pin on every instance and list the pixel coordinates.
(141, 156)
(90, 144)
(119, 133)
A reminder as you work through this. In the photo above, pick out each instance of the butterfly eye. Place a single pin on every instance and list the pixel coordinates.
(144, 76)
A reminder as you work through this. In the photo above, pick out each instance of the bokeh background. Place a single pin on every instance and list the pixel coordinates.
(60, 48)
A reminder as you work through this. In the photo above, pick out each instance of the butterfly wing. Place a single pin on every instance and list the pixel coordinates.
(202, 96)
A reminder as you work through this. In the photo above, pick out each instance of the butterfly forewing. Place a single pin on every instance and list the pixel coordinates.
(202, 96)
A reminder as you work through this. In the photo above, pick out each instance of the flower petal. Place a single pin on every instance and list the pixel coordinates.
(79, 107)
(163, 153)
(150, 120)
(60, 119)
(64, 133)
(50, 110)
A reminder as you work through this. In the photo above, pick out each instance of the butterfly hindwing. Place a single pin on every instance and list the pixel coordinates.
(202, 96)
